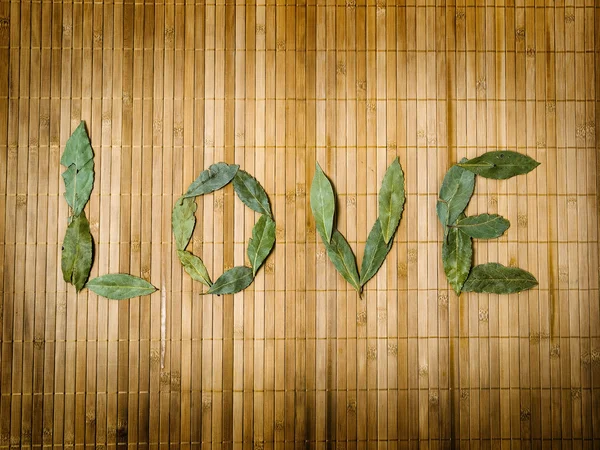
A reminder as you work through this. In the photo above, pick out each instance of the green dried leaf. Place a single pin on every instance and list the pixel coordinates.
(455, 193)
(76, 260)
(343, 259)
(500, 165)
(251, 193)
(391, 200)
(78, 185)
(211, 179)
(261, 243)
(494, 278)
(322, 203)
(376, 251)
(183, 220)
(78, 150)
(457, 257)
(120, 286)
(483, 226)
(232, 281)
(194, 267)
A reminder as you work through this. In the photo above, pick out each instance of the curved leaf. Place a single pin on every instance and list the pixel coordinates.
(211, 179)
(232, 281)
(376, 251)
(76, 259)
(457, 257)
(483, 226)
(251, 193)
(494, 278)
(322, 204)
(78, 185)
(78, 150)
(455, 193)
(261, 243)
(183, 220)
(500, 165)
(120, 286)
(343, 259)
(391, 200)
(195, 267)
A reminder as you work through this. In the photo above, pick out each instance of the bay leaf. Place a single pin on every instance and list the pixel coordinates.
(500, 165)
(376, 251)
(391, 200)
(343, 259)
(78, 185)
(322, 204)
(212, 179)
(494, 278)
(261, 243)
(77, 252)
(120, 286)
(455, 193)
(232, 281)
(78, 150)
(457, 257)
(195, 267)
(483, 226)
(251, 193)
(183, 220)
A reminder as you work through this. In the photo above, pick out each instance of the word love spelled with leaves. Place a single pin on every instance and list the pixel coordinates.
(457, 247)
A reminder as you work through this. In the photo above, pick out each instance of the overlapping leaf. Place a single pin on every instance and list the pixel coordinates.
(455, 193)
(211, 179)
(494, 278)
(120, 286)
(500, 165)
(78, 185)
(183, 220)
(343, 259)
(457, 257)
(251, 193)
(78, 150)
(483, 226)
(232, 281)
(376, 250)
(76, 258)
(322, 204)
(391, 200)
(261, 243)
(195, 267)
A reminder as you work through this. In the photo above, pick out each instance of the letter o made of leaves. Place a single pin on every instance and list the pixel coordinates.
(252, 194)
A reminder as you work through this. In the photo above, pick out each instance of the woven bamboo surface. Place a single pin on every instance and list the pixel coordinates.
(298, 360)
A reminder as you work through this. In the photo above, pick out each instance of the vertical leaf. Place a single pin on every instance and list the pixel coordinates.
(251, 193)
(261, 243)
(183, 220)
(322, 204)
(76, 260)
(457, 256)
(195, 267)
(78, 185)
(343, 259)
(455, 193)
(78, 150)
(376, 251)
(391, 200)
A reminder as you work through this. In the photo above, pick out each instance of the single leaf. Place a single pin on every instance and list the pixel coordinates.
(78, 185)
(376, 251)
(455, 193)
(261, 243)
(494, 278)
(343, 259)
(76, 259)
(232, 281)
(194, 267)
(322, 203)
(251, 193)
(183, 220)
(483, 226)
(211, 179)
(500, 165)
(457, 257)
(120, 286)
(391, 200)
(78, 149)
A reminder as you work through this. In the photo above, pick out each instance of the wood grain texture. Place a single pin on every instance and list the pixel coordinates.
(298, 359)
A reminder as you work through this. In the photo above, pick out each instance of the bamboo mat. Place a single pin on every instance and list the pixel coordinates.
(298, 360)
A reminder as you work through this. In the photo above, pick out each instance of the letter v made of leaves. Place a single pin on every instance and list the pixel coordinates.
(381, 237)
